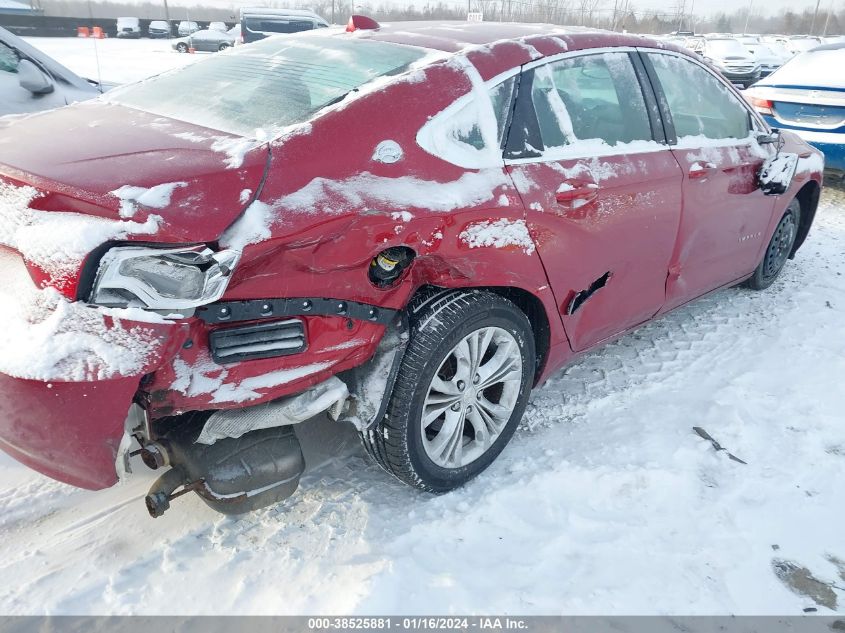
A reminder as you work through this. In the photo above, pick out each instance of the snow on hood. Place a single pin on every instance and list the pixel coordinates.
(57, 243)
(46, 337)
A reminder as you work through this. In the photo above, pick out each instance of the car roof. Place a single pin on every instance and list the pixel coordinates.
(496, 47)
(454, 36)
(836, 46)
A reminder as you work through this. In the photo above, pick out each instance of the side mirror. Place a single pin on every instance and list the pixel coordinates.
(32, 78)
(776, 174)
(769, 139)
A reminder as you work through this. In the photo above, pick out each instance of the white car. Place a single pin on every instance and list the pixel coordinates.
(186, 27)
(802, 43)
(217, 26)
(767, 57)
(129, 27)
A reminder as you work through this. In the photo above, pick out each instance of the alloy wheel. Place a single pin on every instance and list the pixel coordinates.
(471, 397)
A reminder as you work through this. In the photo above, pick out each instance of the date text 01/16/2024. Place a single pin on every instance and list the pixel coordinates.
(418, 623)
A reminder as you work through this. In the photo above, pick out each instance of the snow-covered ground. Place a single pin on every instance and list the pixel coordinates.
(120, 61)
(606, 501)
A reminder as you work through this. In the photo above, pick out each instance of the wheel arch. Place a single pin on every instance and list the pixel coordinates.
(808, 198)
(531, 305)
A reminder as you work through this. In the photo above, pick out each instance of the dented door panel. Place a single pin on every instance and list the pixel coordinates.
(606, 258)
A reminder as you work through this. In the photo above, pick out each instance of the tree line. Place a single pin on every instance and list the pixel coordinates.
(619, 15)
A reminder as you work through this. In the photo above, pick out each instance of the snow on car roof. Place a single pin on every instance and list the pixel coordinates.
(454, 36)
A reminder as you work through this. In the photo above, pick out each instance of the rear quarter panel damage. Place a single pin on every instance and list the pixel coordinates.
(329, 209)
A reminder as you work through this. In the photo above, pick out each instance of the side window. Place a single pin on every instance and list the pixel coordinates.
(590, 97)
(710, 110)
(502, 98)
(8, 59)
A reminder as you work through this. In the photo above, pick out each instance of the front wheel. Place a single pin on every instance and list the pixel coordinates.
(182, 48)
(778, 250)
(461, 390)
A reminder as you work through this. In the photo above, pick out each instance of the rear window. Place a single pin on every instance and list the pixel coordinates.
(260, 88)
(270, 25)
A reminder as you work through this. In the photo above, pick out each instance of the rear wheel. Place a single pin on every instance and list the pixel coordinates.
(222, 47)
(778, 250)
(461, 390)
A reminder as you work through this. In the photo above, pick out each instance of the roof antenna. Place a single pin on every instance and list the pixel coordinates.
(96, 54)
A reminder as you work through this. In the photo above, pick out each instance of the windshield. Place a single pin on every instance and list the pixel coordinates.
(725, 48)
(268, 85)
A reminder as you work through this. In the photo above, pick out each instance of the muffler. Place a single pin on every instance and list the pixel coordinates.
(233, 475)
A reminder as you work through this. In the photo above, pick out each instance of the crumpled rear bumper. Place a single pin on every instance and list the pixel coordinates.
(69, 431)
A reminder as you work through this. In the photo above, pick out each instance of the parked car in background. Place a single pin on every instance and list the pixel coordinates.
(766, 57)
(186, 27)
(218, 26)
(802, 43)
(805, 97)
(235, 32)
(129, 28)
(731, 58)
(159, 28)
(258, 23)
(204, 40)
(32, 81)
(218, 274)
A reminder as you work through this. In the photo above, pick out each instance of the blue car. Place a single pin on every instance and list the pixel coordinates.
(807, 95)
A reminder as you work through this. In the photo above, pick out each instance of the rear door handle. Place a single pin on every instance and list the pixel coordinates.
(571, 191)
(701, 170)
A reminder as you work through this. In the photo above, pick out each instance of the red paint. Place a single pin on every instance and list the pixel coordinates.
(665, 234)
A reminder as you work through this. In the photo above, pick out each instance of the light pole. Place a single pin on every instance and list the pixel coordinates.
(748, 17)
(815, 15)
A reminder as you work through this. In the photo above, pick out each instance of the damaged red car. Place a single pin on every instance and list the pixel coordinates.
(404, 227)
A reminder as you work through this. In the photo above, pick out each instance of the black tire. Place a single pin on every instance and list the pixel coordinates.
(778, 250)
(222, 47)
(439, 321)
(182, 47)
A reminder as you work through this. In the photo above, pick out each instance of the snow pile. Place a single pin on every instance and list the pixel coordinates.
(58, 242)
(204, 376)
(470, 189)
(501, 233)
(157, 197)
(235, 148)
(46, 337)
(252, 227)
(247, 389)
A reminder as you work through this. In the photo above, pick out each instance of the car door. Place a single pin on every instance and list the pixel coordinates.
(13, 97)
(601, 188)
(725, 213)
(201, 41)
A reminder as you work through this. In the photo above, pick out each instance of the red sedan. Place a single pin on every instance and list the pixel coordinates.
(406, 227)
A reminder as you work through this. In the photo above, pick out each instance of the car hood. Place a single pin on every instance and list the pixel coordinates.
(121, 164)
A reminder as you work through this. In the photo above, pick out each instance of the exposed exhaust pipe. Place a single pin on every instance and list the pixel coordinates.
(233, 475)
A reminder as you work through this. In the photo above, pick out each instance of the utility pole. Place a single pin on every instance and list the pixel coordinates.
(827, 19)
(748, 17)
(167, 19)
(815, 15)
